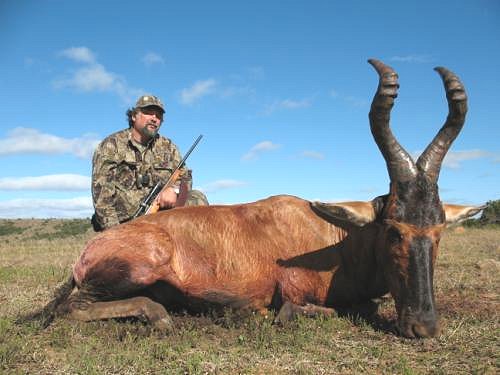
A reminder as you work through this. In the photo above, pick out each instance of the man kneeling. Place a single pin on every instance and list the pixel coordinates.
(128, 163)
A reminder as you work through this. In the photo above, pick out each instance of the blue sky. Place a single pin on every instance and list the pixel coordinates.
(280, 90)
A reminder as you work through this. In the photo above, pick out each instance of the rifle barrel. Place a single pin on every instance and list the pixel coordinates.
(181, 164)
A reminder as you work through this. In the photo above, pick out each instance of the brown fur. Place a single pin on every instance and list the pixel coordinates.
(284, 251)
(236, 250)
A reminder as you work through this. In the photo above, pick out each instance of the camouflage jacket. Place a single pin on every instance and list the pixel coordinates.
(123, 173)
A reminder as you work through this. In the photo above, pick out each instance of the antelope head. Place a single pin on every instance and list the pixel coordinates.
(411, 218)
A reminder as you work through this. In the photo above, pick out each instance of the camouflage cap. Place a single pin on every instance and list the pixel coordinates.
(149, 100)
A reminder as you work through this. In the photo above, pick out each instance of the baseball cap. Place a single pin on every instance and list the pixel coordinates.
(149, 100)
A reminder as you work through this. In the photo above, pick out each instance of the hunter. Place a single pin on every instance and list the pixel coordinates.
(128, 163)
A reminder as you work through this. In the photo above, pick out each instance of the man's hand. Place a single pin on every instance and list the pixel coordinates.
(167, 198)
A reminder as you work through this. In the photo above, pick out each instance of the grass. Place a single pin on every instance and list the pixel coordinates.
(8, 227)
(35, 260)
(64, 229)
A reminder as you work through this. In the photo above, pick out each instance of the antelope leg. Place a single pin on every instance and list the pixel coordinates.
(290, 310)
(141, 307)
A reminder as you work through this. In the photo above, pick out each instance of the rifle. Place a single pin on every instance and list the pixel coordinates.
(150, 205)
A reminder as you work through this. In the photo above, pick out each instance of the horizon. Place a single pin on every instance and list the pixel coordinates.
(280, 94)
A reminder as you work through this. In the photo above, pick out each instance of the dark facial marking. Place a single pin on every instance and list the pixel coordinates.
(415, 202)
(421, 274)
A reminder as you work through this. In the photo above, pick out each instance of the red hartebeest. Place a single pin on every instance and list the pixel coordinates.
(284, 252)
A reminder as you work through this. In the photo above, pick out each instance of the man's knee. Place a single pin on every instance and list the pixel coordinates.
(96, 225)
(196, 198)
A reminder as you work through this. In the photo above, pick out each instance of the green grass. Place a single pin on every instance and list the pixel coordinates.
(65, 229)
(8, 227)
(467, 284)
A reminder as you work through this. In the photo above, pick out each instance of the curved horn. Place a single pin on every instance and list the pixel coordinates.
(430, 160)
(400, 165)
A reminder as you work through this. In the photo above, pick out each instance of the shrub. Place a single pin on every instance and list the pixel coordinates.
(67, 228)
(9, 227)
(490, 215)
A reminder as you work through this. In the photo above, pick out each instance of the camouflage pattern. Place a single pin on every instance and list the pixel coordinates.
(124, 171)
(196, 198)
(149, 100)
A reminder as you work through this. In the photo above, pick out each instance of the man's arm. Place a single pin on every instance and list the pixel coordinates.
(103, 185)
(167, 154)
(168, 196)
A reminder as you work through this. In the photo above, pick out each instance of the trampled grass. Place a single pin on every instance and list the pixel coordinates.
(34, 260)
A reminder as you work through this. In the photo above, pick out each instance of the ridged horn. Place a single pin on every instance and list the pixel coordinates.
(400, 165)
(431, 159)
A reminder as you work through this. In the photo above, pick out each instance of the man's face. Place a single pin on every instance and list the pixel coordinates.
(147, 122)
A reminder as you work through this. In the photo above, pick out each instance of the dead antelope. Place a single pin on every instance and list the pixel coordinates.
(284, 252)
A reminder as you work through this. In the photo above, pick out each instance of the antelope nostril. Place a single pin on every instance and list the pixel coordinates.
(424, 330)
(411, 327)
(419, 330)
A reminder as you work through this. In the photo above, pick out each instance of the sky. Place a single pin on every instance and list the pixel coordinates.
(280, 91)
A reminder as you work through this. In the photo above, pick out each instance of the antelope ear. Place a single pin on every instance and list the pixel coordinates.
(456, 213)
(357, 213)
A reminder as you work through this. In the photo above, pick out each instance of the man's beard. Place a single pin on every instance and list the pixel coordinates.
(145, 131)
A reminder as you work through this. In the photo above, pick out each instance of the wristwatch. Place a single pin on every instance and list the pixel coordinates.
(176, 189)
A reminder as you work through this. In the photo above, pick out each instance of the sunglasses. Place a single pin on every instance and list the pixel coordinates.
(152, 111)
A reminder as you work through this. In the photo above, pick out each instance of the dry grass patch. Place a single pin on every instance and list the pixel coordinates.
(34, 261)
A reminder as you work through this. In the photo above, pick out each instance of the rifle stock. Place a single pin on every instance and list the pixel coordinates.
(150, 204)
(155, 205)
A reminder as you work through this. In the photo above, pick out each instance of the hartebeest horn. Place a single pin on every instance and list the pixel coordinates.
(431, 159)
(400, 165)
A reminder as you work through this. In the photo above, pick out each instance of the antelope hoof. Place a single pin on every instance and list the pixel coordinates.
(164, 324)
(285, 314)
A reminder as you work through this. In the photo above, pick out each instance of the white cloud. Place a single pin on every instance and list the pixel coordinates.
(58, 182)
(27, 140)
(371, 190)
(233, 91)
(222, 185)
(29, 61)
(356, 102)
(197, 91)
(94, 76)
(256, 72)
(287, 104)
(414, 58)
(152, 58)
(333, 200)
(260, 148)
(45, 208)
(349, 99)
(292, 104)
(312, 155)
(454, 158)
(239, 87)
(79, 54)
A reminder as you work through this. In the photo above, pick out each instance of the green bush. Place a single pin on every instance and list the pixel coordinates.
(65, 229)
(74, 227)
(489, 216)
(9, 227)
